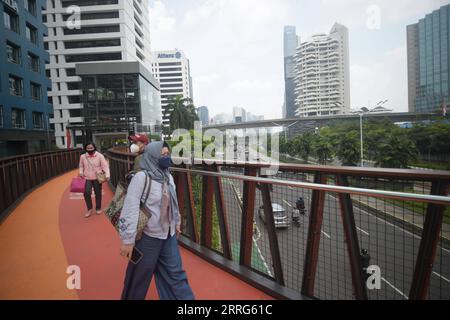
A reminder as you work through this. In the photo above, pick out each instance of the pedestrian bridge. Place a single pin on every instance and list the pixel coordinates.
(231, 247)
(47, 232)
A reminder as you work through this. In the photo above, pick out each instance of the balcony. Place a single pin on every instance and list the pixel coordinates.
(230, 231)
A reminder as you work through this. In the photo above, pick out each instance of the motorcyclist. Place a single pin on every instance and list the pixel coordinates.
(365, 259)
(298, 210)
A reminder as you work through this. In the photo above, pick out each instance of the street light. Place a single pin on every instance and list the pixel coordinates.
(361, 135)
(361, 113)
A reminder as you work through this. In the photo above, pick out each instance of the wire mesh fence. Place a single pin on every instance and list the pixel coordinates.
(389, 230)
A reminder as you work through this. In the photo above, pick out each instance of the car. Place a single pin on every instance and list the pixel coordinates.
(280, 216)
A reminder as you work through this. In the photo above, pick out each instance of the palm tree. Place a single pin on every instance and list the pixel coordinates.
(182, 114)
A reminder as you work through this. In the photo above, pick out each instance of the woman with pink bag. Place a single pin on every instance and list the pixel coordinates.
(95, 169)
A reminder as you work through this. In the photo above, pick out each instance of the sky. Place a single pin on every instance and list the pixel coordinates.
(235, 47)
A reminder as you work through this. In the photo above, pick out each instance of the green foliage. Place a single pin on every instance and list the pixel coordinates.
(183, 114)
(385, 143)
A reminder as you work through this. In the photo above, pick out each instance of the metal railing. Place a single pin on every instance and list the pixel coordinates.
(20, 174)
(401, 217)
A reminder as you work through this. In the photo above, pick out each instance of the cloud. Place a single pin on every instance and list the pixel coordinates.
(162, 22)
(385, 79)
(357, 13)
(235, 47)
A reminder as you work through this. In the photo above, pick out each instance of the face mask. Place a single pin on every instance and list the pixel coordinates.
(134, 148)
(91, 152)
(165, 162)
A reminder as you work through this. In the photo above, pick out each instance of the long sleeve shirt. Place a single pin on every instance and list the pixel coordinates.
(129, 216)
(90, 165)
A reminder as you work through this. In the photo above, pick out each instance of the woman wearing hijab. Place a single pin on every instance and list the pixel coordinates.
(158, 243)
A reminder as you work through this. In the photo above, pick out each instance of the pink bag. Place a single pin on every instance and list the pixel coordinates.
(78, 185)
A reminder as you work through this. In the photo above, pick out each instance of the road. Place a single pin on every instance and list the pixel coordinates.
(391, 247)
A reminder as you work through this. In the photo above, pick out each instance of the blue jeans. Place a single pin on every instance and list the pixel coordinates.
(162, 258)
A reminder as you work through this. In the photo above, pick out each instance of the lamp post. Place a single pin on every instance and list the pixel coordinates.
(361, 135)
(361, 114)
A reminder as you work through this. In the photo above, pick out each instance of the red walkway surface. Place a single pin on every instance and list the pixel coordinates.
(47, 233)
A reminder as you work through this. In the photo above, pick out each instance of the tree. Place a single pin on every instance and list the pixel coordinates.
(305, 145)
(348, 148)
(395, 150)
(182, 114)
(323, 149)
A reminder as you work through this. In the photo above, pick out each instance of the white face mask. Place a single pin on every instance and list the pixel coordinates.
(134, 148)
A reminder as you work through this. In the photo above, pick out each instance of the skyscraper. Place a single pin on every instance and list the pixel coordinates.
(290, 45)
(172, 69)
(323, 74)
(203, 115)
(110, 30)
(428, 44)
(24, 107)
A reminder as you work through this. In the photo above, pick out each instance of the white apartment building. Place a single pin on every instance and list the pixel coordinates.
(110, 30)
(323, 74)
(172, 70)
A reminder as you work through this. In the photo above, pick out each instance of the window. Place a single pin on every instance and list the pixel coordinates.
(92, 43)
(74, 99)
(33, 62)
(93, 29)
(171, 80)
(18, 118)
(30, 5)
(11, 21)
(95, 15)
(94, 57)
(169, 69)
(84, 3)
(46, 46)
(44, 18)
(73, 86)
(171, 75)
(70, 72)
(139, 55)
(15, 86)
(47, 73)
(35, 91)
(31, 33)
(38, 120)
(13, 53)
(50, 100)
(170, 64)
(75, 113)
(172, 85)
(1, 116)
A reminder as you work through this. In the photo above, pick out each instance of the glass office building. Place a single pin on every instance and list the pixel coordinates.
(428, 62)
(118, 98)
(24, 107)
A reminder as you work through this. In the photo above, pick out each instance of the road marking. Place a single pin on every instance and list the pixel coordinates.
(392, 225)
(366, 233)
(262, 258)
(288, 203)
(396, 289)
(442, 277)
(326, 234)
